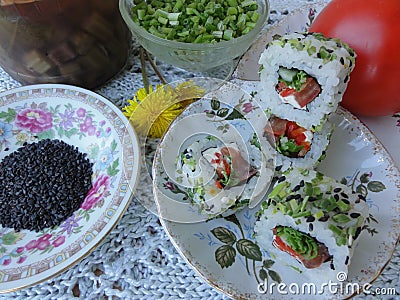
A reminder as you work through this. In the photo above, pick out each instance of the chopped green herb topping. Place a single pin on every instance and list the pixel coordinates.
(293, 78)
(315, 198)
(300, 242)
(288, 147)
(324, 53)
(197, 21)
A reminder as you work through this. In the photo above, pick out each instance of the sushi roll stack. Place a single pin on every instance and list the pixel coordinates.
(302, 81)
(313, 219)
(309, 221)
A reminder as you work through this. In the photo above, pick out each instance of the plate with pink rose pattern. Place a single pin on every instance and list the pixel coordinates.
(98, 128)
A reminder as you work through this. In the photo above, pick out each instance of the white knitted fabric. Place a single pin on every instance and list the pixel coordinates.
(137, 260)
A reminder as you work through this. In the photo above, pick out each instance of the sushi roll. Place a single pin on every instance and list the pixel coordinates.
(231, 168)
(311, 223)
(218, 178)
(303, 77)
(296, 145)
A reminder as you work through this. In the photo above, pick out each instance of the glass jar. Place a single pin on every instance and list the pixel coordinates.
(84, 43)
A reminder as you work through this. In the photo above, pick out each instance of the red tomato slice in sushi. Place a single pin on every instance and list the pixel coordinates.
(281, 245)
(277, 125)
(309, 91)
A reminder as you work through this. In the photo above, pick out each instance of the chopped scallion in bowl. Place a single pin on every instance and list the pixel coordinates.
(195, 35)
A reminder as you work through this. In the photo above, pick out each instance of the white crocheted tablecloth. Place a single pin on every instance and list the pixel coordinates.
(137, 260)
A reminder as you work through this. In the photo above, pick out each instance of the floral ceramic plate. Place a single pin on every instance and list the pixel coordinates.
(223, 250)
(224, 117)
(93, 124)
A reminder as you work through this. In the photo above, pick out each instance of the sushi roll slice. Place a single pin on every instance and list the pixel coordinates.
(312, 223)
(218, 178)
(303, 77)
(231, 168)
(296, 145)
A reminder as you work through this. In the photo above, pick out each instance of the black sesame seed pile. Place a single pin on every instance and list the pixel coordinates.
(42, 184)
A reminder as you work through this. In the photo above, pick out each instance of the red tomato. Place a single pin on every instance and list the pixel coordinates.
(287, 92)
(298, 135)
(371, 28)
(278, 126)
(218, 184)
(227, 167)
(290, 126)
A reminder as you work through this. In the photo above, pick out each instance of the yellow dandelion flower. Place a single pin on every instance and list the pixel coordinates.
(152, 113)
(140, 95)
(187, 92)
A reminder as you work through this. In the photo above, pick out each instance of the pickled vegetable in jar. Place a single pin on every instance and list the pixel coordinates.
(84, 43)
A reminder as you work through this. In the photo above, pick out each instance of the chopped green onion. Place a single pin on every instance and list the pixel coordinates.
(341, 218)
(232, 3)
(231, 11)
(343, 206)
(192, 11)
(173, 16)
(161, 13)
(217, 20)
(200, 6)
(183, 33)
(301, 214)
(171, 34)
(141, 13)
(334, 229)
(155, 32)
(227, 34)
(166, 30)
(304, 203)
(218, 9)
(162, 20)
(341, 240)
(254, 17)
(248, 3)
(178, 6)
(218, 34)
(220, 26)
(154, 23)
(279, 190)
(319, 214)
(282, 207)
(228, 19)
(294, 206)
(352, 230)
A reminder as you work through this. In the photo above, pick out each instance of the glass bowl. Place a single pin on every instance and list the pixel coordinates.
(190, 56)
